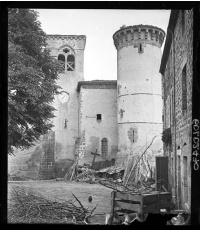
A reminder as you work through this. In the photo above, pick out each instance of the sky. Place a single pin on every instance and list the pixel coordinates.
(100, 56)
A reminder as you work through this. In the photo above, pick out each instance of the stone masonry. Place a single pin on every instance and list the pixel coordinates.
(176, 68)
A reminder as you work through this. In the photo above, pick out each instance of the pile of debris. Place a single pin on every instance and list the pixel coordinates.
(86, 175)
(81, 174)
(137, 177)
(114, 173)
(28, 206)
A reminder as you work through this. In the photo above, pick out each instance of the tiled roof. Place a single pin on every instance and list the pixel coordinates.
(96, 82)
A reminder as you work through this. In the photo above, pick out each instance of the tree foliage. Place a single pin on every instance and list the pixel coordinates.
(32, 75)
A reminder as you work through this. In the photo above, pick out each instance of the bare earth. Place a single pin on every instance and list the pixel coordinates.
(56, 190)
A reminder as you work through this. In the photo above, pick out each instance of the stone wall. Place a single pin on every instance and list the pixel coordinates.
(179, 121)
(139, 94)
(66, 113)
(94, 99)
(46, 168)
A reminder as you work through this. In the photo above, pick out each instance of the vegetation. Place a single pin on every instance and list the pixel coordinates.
(32, 75)
(167, 137)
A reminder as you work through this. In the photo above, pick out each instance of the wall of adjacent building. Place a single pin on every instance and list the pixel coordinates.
(179, 151)
(98, 99)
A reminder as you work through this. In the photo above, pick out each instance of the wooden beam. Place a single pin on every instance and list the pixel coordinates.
(127, 196)
(132, 207)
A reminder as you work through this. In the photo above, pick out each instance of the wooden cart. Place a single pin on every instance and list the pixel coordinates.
(126, 202)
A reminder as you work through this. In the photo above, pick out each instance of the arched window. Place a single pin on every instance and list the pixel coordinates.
(61, 58)
(104, 147)
(70, 62)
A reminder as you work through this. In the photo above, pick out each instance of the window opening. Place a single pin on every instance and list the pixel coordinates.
(179, 181)
(66, 50)
(104, 147)
(185, 171)
(70, 63)
(184, 90)
(140, 49)
(65, 123)
(133, 136)
(170, 62)
(98, 117)
(172, 171)
(121, 112)
(61, 58)
(172, 108)
(185, 181)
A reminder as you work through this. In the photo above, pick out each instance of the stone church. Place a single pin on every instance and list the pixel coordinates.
(109, 119)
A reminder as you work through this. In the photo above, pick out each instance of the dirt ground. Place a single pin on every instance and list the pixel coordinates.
(63, 190)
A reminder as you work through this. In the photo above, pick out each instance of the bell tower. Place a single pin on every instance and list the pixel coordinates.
(69, 49)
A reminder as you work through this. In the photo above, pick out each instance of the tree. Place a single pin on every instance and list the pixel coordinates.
(32, 75)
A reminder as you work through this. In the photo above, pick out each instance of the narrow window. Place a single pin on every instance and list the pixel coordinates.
(140, 49)
(61, 58)
(185, 171)
(133, 136)
(170, 62)
(172, 172)
(183, 21)
(98, 117)
(70, 63)
(104, 147)
(179, 180)
(65, 123)
(172, 107)
(184, 90)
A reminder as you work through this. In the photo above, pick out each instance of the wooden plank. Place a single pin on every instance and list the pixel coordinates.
(127, 196)
(166, 197)
(155, 207)
(150, 199)
(123, 211)
(151, 209)
(132, 207)
(163, 195)
(129, 201)
(165, 205)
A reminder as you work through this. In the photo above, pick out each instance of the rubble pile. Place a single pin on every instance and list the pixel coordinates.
(83, 173)
(86, 175)
(115, 173)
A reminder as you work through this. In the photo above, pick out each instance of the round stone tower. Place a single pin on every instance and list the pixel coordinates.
(139, 85)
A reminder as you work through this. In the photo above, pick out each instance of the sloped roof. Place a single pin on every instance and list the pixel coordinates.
(171, 26)
(96, 82)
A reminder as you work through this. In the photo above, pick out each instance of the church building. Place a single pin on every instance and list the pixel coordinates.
(109, 119)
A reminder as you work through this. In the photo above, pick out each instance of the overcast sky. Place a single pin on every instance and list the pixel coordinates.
(100, 59)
